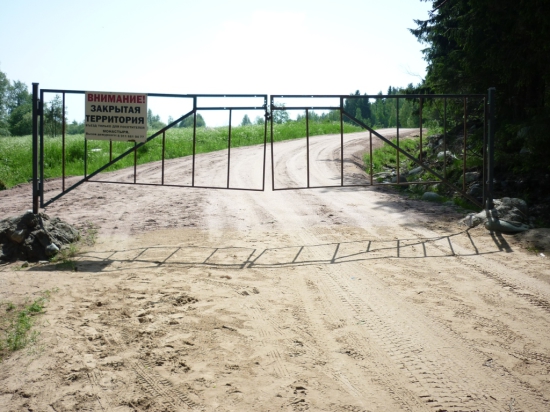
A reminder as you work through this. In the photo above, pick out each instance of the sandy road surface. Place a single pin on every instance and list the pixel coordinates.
(323, 300)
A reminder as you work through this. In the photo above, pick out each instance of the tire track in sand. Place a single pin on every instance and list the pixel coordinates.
(442, 374)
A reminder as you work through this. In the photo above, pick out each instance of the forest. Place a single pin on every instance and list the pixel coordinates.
(473, 45)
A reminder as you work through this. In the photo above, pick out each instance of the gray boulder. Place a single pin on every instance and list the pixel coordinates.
(445, 155)
(504, 226)
(51, 250)
(402, 179)
(415, 171)
(431, 197)
(476, 190)
(470, 177)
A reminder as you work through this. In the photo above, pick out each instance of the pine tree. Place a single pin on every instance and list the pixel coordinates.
(246, 121)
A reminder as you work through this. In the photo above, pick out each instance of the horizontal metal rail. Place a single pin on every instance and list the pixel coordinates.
(424, 182)
(164, 94)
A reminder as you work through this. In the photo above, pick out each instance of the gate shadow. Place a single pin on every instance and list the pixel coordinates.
(298, 255)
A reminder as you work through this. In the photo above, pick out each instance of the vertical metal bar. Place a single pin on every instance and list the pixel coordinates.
(135, 161)
(421, 146)
(41, 161)
(194, 139)
(63, 147)
(307, 145)
(491, 147)
(464, 148)
(265, 142)
(484, 177)
(272, 155)
(85, 158)
(110, 150)
(35, 112)
(397, 125)
(229, 148)
(445, 138)
(370, 158)
(341, 142)
(163, 155)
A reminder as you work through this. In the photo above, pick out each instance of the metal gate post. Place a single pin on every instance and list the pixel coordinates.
(271, 105)
(35, 191)
(491, 149)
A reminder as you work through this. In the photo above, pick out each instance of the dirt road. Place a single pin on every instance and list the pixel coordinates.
(348, 299)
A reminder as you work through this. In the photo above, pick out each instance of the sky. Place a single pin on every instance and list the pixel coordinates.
(211, 47)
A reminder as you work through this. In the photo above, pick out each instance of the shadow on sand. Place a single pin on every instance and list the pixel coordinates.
(231, 257)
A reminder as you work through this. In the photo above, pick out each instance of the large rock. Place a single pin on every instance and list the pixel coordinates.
(498, 225)
(402, 179)
(431, 197)
(446, 155)
(509, 215)
(475, 190)
(416, 171)
(470, 177)
(34, 237)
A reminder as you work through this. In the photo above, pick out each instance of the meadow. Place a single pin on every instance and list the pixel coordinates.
(16, 152)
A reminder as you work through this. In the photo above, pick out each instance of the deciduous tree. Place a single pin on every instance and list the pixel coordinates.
(20, 120)
(4, 86)
(18, 95)
(280, 116)
(53, 116)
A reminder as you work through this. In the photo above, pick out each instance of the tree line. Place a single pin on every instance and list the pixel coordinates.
(15, 107)
(16, 111)
(384, 112)
(377, 112)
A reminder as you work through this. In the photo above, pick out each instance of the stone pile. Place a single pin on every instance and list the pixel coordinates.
(509, 215)
(34, 237)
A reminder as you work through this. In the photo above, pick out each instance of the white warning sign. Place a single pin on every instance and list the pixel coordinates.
(116, 116)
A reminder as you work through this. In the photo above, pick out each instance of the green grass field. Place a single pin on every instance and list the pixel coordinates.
(387, 155)
(16, 152)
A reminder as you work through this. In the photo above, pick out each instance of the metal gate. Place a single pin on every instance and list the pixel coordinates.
(474, 106)
(481, 112)
(196, 105)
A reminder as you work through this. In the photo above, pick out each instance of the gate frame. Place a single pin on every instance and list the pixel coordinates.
(38, 143)
(489, 105)
(488, 141)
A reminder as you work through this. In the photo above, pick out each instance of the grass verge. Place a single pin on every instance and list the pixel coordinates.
(16, 324)
(386, 156)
